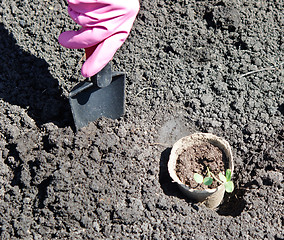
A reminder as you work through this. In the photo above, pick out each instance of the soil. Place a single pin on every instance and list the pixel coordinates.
(197, 159)
(192, 66)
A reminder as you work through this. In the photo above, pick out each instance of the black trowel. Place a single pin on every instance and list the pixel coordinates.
(103, 96)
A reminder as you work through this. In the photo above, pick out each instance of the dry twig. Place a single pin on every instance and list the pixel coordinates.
(261, 70)
(82, 58)
(143, 90)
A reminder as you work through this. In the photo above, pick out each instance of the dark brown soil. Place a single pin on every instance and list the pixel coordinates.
(191, 67)
(196, 159)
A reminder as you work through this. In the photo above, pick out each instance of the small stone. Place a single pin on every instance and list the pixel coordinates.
(96, 226)
(95, 154)
(215, 124)
(162, 204)
(22, 23)
(85, 221)
(95, 186)
(206, 99)
(274, 177)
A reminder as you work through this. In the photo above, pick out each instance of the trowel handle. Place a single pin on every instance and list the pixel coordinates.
(104, 77)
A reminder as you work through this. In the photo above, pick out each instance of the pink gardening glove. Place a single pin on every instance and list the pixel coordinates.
(105, 26)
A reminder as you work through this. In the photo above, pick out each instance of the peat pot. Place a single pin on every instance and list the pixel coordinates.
(210, 197)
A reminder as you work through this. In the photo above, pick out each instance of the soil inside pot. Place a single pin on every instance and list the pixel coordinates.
(196, 159)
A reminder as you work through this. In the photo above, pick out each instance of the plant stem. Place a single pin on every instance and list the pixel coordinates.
(208, 171)
(216, 178)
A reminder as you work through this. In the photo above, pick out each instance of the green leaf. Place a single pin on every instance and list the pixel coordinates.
(198, 178)
(229, 186)
(208, 181)
(228, 175)
(222, 177)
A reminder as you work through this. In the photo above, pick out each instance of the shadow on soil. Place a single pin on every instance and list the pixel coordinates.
(170, 188)
(233, 204)
(25, 81)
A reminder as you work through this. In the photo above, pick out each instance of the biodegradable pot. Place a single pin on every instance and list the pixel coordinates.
(210, 197)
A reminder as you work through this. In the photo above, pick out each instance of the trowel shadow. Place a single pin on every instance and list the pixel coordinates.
(169, 187)
(25, 81)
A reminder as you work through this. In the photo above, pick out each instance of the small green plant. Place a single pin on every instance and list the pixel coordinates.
(229, 185)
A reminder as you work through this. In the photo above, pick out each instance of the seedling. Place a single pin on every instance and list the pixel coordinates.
(226, 180)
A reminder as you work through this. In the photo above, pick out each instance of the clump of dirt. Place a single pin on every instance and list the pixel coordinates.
(197, 159)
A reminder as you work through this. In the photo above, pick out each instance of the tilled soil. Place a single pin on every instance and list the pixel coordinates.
(209, 66)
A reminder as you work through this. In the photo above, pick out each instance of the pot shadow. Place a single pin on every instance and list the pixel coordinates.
(25, 81)
(233, 204)
(169, 187)
(281, 108)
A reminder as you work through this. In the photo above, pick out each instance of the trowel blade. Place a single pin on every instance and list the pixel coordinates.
(89, 102)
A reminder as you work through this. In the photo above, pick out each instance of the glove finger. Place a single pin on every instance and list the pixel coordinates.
(84, 38)
(104, 8)
(80, 18)
(102, 54)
